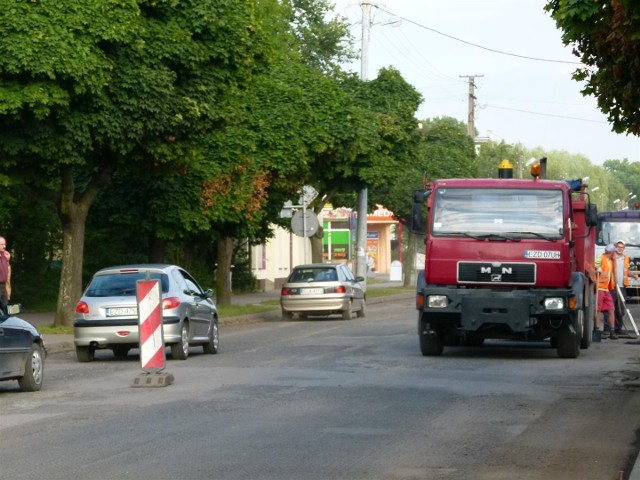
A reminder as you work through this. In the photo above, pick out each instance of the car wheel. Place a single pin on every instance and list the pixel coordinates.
(33, 370)
(347, 314)
(211, 347)
(85, 354)
(287, 315)
(180, 350)
(363, 311)
(120, 352)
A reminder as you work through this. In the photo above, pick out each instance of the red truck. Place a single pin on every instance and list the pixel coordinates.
(506, 259)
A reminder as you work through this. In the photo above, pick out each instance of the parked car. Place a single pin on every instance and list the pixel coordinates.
(322, 289)
(106, 317)
(22, 351)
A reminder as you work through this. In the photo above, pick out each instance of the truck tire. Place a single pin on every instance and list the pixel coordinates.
(569, 337)
(589, 318)
(431, 342)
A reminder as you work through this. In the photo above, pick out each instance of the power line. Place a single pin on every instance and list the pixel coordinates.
(501, 52)
(567, 117)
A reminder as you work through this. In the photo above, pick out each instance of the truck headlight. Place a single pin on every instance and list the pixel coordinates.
(437, 301)
(554, 303)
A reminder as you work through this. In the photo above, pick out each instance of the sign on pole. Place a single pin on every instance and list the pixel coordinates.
(150, 326)
(151, 338)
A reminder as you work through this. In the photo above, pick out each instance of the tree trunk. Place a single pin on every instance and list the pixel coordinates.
(157, 251)
(73, 208)
(409, 258)
(223, 280)
(316, 246)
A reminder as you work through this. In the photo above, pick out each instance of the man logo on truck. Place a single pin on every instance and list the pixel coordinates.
(505, 270)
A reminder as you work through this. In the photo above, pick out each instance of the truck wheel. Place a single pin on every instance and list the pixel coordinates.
(569, 340)
(431, 342)
(587, 329)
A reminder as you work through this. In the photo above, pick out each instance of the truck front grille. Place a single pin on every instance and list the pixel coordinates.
(496, 273)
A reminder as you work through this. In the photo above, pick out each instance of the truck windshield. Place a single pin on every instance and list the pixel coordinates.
(611, 231)
(504, 213)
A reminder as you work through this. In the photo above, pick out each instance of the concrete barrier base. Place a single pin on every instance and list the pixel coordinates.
(161, 379)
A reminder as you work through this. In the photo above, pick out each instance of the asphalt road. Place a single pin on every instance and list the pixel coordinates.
(332, 399)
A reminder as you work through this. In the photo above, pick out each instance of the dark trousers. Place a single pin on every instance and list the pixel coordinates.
(619, 312)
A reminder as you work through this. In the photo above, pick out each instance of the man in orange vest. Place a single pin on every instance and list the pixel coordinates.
(621, 267)
(606, 284)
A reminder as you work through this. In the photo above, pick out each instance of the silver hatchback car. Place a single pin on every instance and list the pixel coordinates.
(106, 317)
(322, 289)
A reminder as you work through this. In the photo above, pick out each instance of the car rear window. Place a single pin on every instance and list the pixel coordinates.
(314, 275)
(122, 284)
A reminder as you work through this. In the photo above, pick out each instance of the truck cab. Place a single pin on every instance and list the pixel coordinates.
(507, 259)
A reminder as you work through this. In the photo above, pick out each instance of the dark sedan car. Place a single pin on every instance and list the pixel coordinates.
(22, 351)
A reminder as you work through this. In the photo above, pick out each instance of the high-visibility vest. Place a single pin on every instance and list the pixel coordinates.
(607, 279)
(625, 273)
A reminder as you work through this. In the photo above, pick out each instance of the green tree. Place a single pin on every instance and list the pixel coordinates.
(439, 148)
(90, 86)
(604, 36)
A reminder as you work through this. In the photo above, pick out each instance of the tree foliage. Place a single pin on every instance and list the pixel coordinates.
(604, 36)
(88, 87)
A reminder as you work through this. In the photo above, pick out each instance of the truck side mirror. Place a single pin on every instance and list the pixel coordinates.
(418, 213)
(418, 224)
(591, 215)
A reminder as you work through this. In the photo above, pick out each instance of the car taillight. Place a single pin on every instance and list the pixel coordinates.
(82, 307)
(170, 303)
(285, 291)
(341, 289)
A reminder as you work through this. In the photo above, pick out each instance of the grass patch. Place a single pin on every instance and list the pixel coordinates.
(385, 291)
(51, 330)
(249, 309)
(226, 311)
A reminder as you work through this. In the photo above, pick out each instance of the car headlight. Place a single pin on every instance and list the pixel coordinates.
(554, 303)
(437, 301)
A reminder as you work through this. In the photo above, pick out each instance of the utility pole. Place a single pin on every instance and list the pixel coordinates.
(361, 226)
(471, 129)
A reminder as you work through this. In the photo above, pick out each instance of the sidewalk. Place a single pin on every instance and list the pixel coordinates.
(56, 343)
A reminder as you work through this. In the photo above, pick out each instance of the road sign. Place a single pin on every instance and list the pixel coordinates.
(304, 223)
(307, 195)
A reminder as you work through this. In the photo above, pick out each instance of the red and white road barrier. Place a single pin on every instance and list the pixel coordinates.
(152, 356)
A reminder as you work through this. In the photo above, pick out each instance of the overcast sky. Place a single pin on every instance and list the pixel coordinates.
(521, 100)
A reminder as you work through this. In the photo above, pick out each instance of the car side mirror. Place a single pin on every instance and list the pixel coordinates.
(359, 279)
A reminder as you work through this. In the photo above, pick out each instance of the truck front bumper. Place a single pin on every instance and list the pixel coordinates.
(473, 308)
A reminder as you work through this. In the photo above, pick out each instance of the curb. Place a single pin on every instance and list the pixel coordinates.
(66, 345)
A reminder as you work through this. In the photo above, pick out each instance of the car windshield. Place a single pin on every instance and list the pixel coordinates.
(500, 211)
(318, 274)
(122, 284)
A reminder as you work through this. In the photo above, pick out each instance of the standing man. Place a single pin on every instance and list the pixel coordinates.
(606, 284)
(621, 267)
(5, 272)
